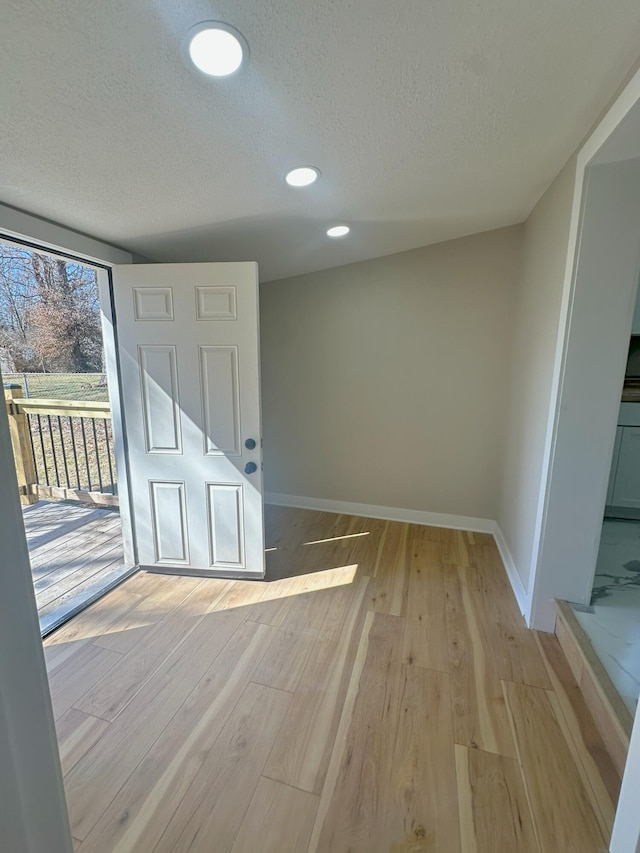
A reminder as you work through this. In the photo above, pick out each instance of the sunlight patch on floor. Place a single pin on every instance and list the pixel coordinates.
(337, 538)
(250, 592)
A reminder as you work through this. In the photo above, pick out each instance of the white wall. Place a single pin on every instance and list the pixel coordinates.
(33, 815)
(625, 837)
(537, 318)
(385, 382)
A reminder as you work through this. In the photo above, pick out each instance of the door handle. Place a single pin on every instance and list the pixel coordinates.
(250, 444)
(250, 468)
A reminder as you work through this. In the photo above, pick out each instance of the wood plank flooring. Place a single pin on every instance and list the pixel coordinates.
(75, 553)
(379, 693)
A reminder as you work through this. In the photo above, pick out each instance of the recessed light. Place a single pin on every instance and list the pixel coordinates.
(338, 231)
(302, 176)
(216, 49)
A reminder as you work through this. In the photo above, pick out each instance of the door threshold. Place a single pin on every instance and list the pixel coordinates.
(205, 573)
(51, 622)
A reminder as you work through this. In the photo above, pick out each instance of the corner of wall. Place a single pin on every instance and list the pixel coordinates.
(521, 594)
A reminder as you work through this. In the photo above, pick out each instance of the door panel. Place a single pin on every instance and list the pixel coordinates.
(188, 342)
(227, 546)
(160, 404)
(220, 400)
(169, 522)
(216, 303)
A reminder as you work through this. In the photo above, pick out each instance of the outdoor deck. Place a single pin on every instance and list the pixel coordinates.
(76, 553)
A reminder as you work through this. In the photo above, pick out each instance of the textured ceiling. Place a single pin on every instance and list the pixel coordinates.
(429, 119)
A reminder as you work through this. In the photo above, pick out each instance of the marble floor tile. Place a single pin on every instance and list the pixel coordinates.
(612, 622)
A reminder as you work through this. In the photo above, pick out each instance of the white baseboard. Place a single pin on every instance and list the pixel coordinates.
(413, 516)
(512, 572)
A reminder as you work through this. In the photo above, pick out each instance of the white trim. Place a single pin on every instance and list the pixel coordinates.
(625, 837)
(617, 113)
(51, 237)
(414, 516)
(112, 368)
(390, 513)
(558, 375)
(547, 615)
(524, 602)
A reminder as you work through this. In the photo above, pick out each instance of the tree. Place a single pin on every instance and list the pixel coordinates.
(49, 313)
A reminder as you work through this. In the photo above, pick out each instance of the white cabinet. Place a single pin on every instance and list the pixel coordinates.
(626, 485)
(623, 492)
(614, 465)
(635, 328)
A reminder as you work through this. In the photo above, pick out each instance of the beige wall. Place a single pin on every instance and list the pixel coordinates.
(539, 295)
(385, 382)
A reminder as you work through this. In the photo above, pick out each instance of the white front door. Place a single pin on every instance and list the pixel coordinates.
(190, 383)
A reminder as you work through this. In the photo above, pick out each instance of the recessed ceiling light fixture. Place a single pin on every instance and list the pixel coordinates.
(338, 231)
(302, 176)
(216, 49)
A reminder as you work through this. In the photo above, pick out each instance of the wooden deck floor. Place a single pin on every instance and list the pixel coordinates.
(75, 553)
(382, 694)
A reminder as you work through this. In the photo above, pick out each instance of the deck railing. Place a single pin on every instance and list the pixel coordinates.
(62, 448)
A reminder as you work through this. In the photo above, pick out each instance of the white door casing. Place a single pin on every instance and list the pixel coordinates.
(188, 337)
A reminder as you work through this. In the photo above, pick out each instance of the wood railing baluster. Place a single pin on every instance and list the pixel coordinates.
(29, 416)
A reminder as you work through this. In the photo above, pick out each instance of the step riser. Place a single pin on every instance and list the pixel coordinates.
(609, 712)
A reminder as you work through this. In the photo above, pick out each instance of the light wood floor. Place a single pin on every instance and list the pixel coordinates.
(75, 553)
(382, 694)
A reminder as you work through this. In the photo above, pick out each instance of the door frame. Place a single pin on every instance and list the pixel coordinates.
(33, 777)
(104, 281)
(595, 326)
(591, 350)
